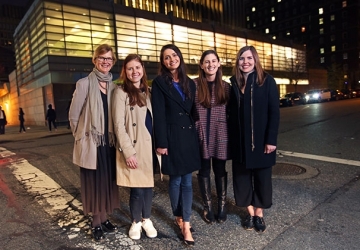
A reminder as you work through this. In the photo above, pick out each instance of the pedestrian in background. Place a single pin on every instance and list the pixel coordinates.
(94, 148)
(212, 94)
(3, 121)
(173, 95)
(51, 117)
(132, 114)
(22, 120)
(253, 128)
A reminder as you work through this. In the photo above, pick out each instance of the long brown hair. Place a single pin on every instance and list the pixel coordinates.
(204, 95)
(261, 74)
(135, 94)
(163, 71)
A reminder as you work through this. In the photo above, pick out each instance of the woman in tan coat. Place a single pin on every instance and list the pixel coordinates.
(94, 150)
(132, 115)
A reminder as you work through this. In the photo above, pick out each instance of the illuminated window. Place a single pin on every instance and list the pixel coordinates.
(303, 29)
(321, 31)
(247, 18)
(321, 20)
(345, 56)
(332, 17)
(272, 9)
(267, 30)
(279, 1)
(288, 33)
(254, 24)
(333, 48)
(274, 37)
(321, 11)
(322, 59)
(253, 9)
(272, 18)
(344, 4)
(322, 50)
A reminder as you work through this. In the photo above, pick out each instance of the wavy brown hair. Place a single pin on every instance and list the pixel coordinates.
(135, 94)
(204, 95)
(163, 71)
(261, 74)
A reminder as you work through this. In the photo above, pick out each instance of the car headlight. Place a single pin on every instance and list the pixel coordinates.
(307, 97)
(316, 96)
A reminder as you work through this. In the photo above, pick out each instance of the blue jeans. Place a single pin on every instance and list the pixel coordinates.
(181, 195)
(140, 203)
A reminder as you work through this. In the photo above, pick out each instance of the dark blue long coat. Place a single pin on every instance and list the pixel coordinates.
(261, 122)
(174, 128)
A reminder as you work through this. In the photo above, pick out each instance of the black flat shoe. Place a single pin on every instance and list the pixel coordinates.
(108, 227)
(259, 224)
(192, 230)
(248, 223)
(98, 233)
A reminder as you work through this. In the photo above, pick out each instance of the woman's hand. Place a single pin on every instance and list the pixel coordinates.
(269, 149)
(162, 151)
(131, 162)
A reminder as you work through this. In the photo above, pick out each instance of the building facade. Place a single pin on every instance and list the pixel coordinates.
(329, 30)
(55, 41)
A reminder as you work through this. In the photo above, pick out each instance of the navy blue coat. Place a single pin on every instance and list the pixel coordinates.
(174, 128)
(263, 130)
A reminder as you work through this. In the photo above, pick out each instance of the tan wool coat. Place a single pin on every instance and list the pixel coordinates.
(133, 138)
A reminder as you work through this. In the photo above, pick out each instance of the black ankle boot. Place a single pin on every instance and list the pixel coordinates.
(98, 233)
(205, 190)
(221, 187)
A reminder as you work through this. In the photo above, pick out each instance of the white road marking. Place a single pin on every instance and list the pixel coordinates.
(59, 204)
(319, 158)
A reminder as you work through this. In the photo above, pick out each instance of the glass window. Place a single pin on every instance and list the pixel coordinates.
(322, 59)
(77, 10)
(332, 17)
(321, 31)
(321, 20)
(333, 48)
(345, 55)
(322, 50)
(321, 11)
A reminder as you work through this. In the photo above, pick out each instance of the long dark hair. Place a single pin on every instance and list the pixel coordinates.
(135, 94)
(204, 95)
(261, 74)
(181, 70)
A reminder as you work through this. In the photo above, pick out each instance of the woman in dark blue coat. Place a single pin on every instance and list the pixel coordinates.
(253, 128)
(175, 135)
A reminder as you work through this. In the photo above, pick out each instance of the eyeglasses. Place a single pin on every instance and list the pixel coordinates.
(101, 59)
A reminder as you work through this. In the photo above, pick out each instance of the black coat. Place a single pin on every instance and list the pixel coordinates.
(174, 128)
(264, 128)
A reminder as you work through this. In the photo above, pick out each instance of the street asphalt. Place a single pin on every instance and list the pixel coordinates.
(317, 208)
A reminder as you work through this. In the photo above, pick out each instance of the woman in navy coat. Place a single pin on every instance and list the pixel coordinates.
(173, 94)
(253, 128)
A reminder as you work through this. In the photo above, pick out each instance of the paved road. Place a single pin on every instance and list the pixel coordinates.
(316, 210)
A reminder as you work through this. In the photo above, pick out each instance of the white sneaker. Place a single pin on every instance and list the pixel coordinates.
(148, 226)
(135, 231)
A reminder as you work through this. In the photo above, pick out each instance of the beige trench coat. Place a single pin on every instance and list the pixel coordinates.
(84, 153)
(133, 138)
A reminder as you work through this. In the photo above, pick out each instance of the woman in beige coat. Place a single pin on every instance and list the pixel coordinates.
(94, 148)
(132, 115)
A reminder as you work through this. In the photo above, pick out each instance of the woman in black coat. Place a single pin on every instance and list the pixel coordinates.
(253, 128)
(21, 119)
(176, 140)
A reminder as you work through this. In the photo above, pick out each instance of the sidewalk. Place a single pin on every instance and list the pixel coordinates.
(32, 132)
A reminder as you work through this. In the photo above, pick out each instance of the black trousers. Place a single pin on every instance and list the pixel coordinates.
(252, 186)
(22, 127)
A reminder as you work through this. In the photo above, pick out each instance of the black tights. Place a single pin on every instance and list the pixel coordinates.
(98, 219)
(218, 167)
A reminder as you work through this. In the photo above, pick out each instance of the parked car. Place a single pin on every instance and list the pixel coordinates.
(292, 98)
(357, 92)
(349, 93)
(336, 95)
(318, 95)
